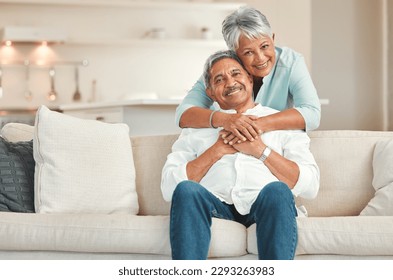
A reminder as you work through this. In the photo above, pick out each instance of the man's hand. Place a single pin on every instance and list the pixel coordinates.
(252, 148)
(198, 167)
(221, 148)
(240, 127)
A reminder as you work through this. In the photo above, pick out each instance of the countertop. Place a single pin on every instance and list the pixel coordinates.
(120, 103)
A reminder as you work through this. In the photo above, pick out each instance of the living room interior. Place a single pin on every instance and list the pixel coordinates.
(132, 61)
(118, 49)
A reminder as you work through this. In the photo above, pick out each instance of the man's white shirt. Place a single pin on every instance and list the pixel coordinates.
(238, 178)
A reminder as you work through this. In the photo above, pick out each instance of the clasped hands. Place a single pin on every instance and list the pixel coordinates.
(239, 128)
(241, 134)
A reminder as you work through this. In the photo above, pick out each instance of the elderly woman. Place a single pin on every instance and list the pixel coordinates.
(280, 81)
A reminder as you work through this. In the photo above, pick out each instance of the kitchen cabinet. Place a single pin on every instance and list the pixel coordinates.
(167, 6)
(143, 116)
(111, 36)
(174, 4)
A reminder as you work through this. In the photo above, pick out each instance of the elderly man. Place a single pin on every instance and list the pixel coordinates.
(248, 182)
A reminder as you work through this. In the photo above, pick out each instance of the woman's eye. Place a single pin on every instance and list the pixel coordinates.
(265, 47)
(248, 53)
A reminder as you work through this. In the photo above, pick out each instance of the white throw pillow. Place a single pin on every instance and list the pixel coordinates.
(382, 203)
(82, 166)
(15, 132)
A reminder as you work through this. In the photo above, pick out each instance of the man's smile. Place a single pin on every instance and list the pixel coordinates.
(233, 90)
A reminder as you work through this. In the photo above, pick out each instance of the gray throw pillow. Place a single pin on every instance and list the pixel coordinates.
(16, 176)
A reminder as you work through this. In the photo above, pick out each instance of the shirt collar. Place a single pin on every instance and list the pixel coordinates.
(250, 111)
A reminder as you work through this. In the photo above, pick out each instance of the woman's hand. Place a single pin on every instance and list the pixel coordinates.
(239, 128)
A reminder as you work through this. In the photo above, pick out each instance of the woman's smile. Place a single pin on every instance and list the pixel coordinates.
(258, 55)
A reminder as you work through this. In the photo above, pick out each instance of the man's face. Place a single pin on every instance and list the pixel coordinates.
(230, 85)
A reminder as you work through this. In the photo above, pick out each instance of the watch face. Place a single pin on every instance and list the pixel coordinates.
(266, 152)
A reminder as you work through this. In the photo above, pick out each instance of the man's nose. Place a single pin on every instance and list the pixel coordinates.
(231, 81)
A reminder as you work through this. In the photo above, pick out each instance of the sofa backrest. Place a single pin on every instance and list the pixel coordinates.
(150, 153)
(344, 159)
(343, 156)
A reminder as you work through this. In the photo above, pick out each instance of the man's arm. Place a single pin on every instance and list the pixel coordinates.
(183, 164)
(297, 149)
(284, 169)
(197, 168)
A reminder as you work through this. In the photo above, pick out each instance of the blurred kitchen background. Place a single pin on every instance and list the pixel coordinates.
(132, 61)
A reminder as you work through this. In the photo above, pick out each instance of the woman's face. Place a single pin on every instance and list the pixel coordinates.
(257, 55)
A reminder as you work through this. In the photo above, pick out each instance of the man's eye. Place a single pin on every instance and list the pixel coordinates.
(248, 53)
(217, 81)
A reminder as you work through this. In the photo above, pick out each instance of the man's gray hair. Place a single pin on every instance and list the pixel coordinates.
(245, 21)
(215, 58)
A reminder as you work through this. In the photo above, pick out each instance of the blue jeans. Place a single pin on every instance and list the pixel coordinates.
(193, 208)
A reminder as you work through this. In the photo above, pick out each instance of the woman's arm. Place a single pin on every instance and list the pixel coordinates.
(241, 126)
(305, 96)
(195, 98)
(287, 119)
(194, 112)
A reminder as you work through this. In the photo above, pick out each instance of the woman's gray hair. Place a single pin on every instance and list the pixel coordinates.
(217, 56)
(245, 21)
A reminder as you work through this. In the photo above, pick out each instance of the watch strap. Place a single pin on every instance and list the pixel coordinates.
(266, 152)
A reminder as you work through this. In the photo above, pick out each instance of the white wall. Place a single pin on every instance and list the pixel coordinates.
(290, 21)
(390, 63)
(347, 62)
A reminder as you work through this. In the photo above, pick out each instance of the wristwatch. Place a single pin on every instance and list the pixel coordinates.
(266, 152)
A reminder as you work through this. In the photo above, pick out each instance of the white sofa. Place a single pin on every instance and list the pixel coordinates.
(333, 230)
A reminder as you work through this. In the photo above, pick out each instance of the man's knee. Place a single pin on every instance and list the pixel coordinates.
(187, 190)
(275, 194)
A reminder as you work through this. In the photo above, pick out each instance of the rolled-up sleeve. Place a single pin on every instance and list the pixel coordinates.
(304, 93)
(174, 170)
(196, 97)
(297, 149)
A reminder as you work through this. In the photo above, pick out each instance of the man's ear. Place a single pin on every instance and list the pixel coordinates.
(209, 93)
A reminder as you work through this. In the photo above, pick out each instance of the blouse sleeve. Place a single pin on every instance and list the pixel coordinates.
(304, 93)
(196, 97)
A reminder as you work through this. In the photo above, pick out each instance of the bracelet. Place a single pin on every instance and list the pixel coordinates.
(211, 119)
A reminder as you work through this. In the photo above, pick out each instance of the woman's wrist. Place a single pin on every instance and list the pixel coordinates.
(263, 124)
(217, 119)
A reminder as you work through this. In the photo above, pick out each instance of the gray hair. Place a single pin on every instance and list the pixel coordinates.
(217, 56)
(245, 21)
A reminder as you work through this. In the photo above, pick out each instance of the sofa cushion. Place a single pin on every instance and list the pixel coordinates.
(14, 132)
(150, 153)
(102, 233)
(82, 166)
(358, 235)
(382, 202)
(16, 176)
(345, 160)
